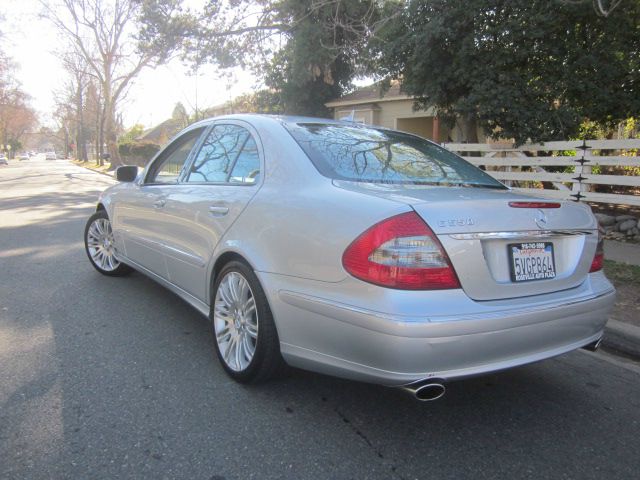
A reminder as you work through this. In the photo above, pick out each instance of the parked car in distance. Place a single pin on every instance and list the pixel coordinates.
(354, 251)
(23, 156)
(50, 156)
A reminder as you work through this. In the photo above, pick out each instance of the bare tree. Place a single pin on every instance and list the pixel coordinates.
(72, 98)
(93, 114)
(65, 120)
(16, 115)
(102, 33)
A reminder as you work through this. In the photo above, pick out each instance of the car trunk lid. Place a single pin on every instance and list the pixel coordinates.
(491, 243)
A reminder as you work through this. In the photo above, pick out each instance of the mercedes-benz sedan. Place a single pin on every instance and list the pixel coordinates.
(354, 251)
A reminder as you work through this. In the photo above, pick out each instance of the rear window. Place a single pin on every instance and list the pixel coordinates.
(365, 154)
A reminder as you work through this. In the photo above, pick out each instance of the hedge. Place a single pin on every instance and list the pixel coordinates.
(137, 153)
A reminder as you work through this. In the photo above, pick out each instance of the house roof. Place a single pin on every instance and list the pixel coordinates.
(369, 94)
(161, 132)
(217, 110)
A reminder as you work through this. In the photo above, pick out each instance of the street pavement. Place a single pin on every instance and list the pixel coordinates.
(105, 378)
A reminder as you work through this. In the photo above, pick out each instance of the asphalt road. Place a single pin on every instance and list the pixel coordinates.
(106, 378)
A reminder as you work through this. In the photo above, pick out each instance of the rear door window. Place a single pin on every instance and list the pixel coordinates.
(229, 154)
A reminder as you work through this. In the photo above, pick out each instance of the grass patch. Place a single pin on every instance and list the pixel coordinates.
(91, 165)
(622, 273)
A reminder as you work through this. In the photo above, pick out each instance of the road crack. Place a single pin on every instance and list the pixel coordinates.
(390, 463)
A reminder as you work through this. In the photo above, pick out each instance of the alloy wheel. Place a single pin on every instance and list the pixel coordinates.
(101, 246)
(235, 321)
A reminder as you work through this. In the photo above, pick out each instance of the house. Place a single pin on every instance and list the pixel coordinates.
(392, 109)
(225, 108)
(161, 133)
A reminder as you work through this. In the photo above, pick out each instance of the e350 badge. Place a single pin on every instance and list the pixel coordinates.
(456, 222)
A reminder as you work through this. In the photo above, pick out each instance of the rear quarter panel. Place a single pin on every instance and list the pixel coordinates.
(299, 223)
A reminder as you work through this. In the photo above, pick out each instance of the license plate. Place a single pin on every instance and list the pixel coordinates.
(531, 261)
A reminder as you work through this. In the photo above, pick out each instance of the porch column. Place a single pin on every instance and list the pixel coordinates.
(435, 134)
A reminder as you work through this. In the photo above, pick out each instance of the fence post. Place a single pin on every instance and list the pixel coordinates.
(581, 169)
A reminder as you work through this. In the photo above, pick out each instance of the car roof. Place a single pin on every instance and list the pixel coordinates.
(281, 119)
(257, 119)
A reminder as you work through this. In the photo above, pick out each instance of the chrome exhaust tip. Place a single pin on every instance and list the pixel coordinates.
(593, 346)
(426, 390)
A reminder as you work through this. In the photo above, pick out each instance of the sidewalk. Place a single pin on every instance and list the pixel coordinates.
(619, 336)
(622, 252)
(91, 165)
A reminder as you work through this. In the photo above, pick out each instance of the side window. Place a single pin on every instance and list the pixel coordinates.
(167, 168)
(228, 155)
(247, 167)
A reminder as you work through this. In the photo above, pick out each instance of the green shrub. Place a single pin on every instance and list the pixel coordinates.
(137, 153)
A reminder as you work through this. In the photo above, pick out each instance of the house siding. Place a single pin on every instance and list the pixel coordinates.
(397, 114)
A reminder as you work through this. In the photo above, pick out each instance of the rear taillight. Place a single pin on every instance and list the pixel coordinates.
(401, 252)
(598, 258)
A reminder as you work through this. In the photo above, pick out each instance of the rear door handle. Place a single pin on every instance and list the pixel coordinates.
(159, 203)
(218, 211)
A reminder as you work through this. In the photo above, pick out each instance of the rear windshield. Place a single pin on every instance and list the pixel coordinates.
(365, 154)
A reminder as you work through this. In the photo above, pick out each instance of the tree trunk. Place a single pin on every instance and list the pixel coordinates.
(98, 149)
(469, 128)
(101, 132)
(66, 142)
(110, 135)
(81, 147)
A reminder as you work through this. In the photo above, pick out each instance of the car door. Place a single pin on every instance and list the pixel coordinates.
(218, 184)
(139, 216)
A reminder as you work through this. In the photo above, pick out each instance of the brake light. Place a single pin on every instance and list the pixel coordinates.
(401, 252)
(598, 258)
(534, 205)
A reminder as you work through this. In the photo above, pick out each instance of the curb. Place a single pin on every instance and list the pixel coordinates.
(623, 338)
(107, 173)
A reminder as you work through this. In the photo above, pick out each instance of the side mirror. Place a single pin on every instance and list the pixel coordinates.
(127, 173)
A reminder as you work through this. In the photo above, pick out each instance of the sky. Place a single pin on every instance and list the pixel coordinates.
(32, 42)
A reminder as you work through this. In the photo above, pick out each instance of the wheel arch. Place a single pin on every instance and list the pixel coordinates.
(221, 261)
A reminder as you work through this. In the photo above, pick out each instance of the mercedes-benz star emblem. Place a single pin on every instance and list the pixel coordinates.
(541, 219)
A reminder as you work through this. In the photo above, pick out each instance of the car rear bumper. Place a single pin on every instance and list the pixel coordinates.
(362, 343)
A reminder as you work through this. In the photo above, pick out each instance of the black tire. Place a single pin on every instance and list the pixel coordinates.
(267, 361)
(112, 267)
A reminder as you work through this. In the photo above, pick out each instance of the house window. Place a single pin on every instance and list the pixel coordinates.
(355, 116)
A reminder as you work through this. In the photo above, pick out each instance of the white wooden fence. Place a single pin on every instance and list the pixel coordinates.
(526, 164)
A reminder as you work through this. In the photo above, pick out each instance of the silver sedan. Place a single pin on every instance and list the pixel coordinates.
(354, 251)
